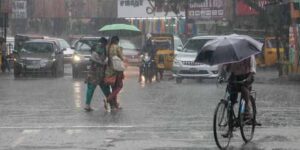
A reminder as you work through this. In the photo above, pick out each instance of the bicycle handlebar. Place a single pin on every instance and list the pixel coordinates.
(240, 82)
(222, 80)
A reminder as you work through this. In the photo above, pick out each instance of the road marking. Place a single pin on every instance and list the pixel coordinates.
(114, 131)
(71, 132)
(31, 131)
(65, 127)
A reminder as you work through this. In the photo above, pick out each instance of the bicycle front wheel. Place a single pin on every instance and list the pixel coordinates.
(221, 125)
(247, 120)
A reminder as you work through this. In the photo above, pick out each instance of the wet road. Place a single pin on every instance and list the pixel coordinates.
(47, 114)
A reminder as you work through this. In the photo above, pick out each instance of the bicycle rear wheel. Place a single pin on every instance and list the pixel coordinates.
(221, 126)
(247, 123)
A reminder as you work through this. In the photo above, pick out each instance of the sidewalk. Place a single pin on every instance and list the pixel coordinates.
(264, 75)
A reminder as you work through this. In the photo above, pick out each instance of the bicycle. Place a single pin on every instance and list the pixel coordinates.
(226, 119)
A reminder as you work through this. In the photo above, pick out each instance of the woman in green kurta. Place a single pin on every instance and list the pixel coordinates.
(96, 73)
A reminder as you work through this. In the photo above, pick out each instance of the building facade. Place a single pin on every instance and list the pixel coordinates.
(57, 17)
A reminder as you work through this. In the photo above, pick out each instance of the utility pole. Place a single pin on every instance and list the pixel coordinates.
(295, 15)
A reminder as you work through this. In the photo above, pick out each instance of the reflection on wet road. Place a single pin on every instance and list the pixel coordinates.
(42, 113)
(77, 93)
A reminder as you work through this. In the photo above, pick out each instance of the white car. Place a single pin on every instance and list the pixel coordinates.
(184, 66)
(67, 50)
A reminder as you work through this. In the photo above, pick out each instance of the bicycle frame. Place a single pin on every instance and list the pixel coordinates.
(227, 117)
(230, 107)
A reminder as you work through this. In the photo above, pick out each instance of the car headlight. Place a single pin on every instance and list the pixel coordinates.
(146, 58)
(76, 58)
(44, 62)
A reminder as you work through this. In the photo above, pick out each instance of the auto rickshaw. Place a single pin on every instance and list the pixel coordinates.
(163, 45)
(268, 57)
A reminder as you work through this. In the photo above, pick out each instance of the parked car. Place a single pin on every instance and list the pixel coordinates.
(82, 55)
(131, 52)
(184, 66)
(41, 56)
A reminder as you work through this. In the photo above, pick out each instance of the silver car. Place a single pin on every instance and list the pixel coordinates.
(39, 57)
(81, 58)
(184, 66)
(131, 52)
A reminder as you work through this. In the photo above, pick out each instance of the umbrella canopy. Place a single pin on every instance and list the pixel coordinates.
(228, 49)
(120, 30)
(254, 42)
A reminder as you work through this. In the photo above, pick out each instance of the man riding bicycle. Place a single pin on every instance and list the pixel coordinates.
(240, 71)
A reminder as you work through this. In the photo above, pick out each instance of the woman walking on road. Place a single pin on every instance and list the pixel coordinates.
(114, 50)
(96, 73)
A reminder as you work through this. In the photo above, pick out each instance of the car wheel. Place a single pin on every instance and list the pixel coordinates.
(17, 71)
(54, 71)
(179, 80)
(74, 72)
(3, 68)
(199, 80)
(62, 71)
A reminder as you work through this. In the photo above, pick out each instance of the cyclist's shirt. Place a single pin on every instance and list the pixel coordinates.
(241, 68)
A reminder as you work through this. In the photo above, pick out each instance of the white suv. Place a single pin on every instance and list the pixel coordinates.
(184, 65)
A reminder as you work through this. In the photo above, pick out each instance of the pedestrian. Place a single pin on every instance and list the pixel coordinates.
(5, 64)
(96, 73)
(114, 50)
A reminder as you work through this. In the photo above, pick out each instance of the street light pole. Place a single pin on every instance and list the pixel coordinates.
(294, 26)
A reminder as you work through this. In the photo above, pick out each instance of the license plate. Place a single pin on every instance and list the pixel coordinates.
(32, 67)
(33, 64)
(193, 70)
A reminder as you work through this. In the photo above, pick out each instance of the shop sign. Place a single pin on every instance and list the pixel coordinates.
(207, 10)
(242, 9)
(141, 9)
(19, 9)
(5, 6)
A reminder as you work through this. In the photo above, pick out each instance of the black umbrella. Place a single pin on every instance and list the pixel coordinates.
(228, 49)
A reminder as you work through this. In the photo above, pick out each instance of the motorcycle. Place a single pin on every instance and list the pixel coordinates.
(148, 68)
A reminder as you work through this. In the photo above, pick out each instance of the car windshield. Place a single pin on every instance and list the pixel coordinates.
(127, 45)
(38, 47)
(162, 44)
(194, 45)
(85, 45)
(64, 44)
(177, 42)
